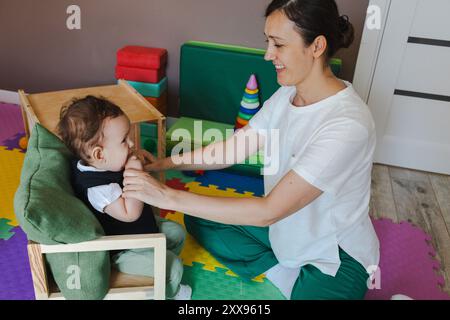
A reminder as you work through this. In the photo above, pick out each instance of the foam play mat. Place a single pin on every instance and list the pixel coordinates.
(407, 264)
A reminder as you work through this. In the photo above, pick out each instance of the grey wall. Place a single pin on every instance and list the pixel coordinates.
(38, 53)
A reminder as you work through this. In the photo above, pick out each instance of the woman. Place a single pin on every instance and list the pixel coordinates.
(311, 234)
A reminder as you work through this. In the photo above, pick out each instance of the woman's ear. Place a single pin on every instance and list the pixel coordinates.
(319, 46)
(97, 154)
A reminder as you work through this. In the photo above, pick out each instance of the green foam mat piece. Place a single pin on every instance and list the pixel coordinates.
(213, 79)
(175, 174)
(5, 228)
(208, 285)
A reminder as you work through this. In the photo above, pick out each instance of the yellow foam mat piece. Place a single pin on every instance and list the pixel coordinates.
(193, 251)
(11, 162)
(212, 190)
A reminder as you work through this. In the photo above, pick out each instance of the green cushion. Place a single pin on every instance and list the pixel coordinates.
(49, 213)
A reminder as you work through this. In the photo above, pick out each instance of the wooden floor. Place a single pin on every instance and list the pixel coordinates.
(419, 197)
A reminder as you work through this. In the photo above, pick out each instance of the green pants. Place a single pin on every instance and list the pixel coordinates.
(247, 252)
(140, 261)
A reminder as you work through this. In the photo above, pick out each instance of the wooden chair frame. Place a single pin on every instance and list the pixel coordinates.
(122, 286)
(44, 108)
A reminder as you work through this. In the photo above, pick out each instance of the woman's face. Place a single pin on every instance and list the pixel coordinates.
(292, 59)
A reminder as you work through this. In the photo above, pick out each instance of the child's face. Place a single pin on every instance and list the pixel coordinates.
(116, 143)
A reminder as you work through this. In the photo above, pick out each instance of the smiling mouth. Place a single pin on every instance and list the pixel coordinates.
(279, 68)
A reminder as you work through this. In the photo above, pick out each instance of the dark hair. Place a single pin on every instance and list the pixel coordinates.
(81, 123)
(314, 18)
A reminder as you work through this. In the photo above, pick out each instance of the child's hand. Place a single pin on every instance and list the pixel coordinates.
(134, 163)
(151, 163)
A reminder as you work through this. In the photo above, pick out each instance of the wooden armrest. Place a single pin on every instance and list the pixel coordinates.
(107, 243)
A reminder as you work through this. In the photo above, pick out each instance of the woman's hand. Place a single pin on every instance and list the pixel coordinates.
(151, 163)
(142, 186)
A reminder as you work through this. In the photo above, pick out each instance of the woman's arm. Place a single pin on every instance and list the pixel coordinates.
(290, 195)
(219, 155)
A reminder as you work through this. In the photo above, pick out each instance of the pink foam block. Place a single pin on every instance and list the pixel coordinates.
(252, 83)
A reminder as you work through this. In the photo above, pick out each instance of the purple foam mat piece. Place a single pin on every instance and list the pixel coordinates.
(11, 122)
(15, 278)
(13, 142)
(407, 264)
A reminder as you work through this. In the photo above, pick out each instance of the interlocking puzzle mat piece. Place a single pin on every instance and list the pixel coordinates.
(219, 286)
(406, 264)
(193, 251)
(10, 166)
(15, 279)
(224, 180)
(175, 174)
(10, 121)
(174, 183)
(13, 142)
(212, 190)
(5, 229)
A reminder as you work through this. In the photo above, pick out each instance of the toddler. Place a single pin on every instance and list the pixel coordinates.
(97, 133)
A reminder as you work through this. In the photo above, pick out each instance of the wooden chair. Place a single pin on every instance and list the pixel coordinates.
(122, 286)
(44, 108)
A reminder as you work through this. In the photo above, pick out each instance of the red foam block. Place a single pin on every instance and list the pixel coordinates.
(142, 57)
(139, 74)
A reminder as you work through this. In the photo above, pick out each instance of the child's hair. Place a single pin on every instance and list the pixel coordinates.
(81, 123)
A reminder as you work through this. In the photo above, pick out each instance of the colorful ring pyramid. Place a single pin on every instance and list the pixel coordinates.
(249, 104)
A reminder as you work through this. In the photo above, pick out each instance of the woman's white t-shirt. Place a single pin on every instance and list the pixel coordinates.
(330, 144)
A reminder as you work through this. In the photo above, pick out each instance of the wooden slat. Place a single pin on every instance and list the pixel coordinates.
(441, 187)
(135, 135)
(110, 243)
(162, 145)
(160, 271)
(145, 103)
(37, 267)
(137, 293)
(417, 203)
(117, 280)
(123, 286)
(29, 117)
(47, 105)
(382, 203)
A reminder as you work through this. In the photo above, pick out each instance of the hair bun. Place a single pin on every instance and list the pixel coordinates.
(344, 23)
(346, 30)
